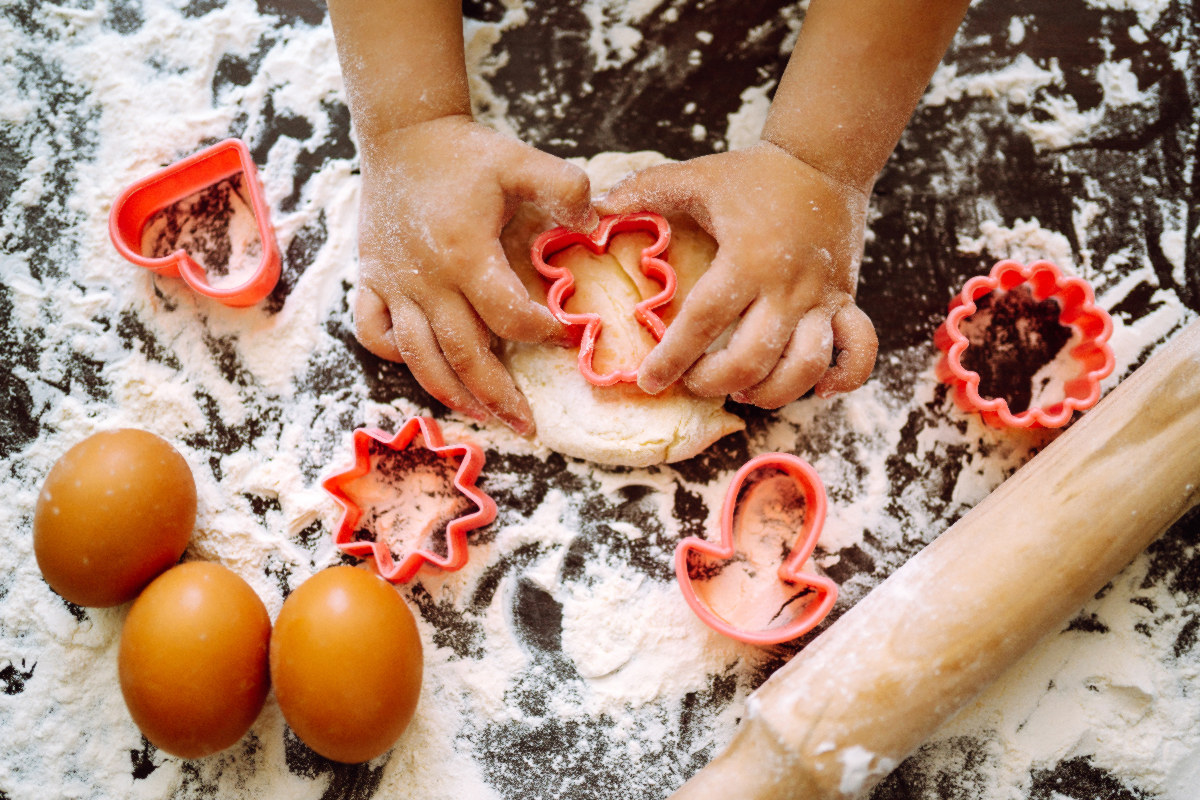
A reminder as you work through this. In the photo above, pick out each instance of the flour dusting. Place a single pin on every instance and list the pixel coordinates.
(562, 662)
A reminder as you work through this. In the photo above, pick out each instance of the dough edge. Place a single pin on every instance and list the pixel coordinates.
(615, 426)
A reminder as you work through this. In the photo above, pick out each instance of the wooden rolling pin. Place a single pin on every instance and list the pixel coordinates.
(867, 692)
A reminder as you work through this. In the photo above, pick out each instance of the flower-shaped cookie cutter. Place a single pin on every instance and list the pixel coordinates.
(1079, 311)
(791, 571)
(469, 467)
(135, 207)
(563, 282)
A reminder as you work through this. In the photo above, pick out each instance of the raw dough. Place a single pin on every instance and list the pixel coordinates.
(617, 425)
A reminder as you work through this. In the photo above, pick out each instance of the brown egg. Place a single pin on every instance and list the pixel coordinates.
(193, 659)
(115, 510)
(346, 664)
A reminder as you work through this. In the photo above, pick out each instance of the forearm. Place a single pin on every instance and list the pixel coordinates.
(857, 71)
(402, 61)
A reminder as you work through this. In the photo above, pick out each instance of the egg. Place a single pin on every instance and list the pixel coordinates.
(116, 510)
(346, 664)
(193, 659)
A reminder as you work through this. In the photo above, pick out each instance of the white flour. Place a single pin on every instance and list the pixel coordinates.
(1122, 700)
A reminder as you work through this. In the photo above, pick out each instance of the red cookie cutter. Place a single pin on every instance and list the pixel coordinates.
(1079, 311)
(563, 286)
(456, 530)
(790, 571)
(141, 201)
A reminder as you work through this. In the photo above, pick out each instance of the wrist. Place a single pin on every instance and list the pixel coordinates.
(382, 143)
(850, 164)
(857, 71)
(385, 121)
(839, 180)
(402, 61)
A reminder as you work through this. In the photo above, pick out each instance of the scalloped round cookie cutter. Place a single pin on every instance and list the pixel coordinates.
(135, 207)
(1079, 311)
(563, 282)
(469, 467)
(791, 571)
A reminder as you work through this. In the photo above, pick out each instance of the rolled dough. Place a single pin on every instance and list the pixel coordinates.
(616, 425)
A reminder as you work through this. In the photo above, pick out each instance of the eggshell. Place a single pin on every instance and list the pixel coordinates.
(193, 659)
(116, 510)
(346, 664)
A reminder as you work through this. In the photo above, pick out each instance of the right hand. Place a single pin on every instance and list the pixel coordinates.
(789, 246)
(434, 283)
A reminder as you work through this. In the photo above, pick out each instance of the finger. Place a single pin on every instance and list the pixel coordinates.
(804, 361)
(713, 305)
(854, 336)
(463, 340)
(752, 351)
(665, 188)
(504, 304)
(373, 324)
(556, 186)
(419, 347)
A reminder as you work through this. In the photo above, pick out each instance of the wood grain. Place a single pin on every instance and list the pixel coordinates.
(872, 688)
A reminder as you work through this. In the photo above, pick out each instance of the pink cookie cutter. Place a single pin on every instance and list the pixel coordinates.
(1079, 311)
(469, 467)
(791, 571)
(563, 286)
(135, 207)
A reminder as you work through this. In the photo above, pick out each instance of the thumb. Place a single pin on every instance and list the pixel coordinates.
(556, 186)
(665, 188)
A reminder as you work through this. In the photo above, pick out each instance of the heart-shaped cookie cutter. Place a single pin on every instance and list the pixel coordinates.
(135, 207)
(563, 282)
(469, 467)
(791, 571)
(1079, 311)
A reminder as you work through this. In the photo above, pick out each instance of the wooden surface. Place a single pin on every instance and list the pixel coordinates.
(963, 610)
(900, 462)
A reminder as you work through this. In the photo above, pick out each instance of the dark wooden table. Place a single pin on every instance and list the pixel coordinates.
(962, 163)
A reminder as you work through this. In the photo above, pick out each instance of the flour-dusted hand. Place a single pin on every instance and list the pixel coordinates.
(434, 283)
(788, 213)
(783, 280)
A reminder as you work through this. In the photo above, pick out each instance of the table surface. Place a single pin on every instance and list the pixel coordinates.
(1032, 145)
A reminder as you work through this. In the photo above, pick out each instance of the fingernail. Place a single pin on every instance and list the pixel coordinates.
(477, 414)
(522, 427)
(650, 385)
(739, 397)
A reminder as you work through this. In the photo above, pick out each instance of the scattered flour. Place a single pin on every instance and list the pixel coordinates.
(1120, 700)
(1025, 241)
(1017, 83)
(1052, 121)
(746, 124)
(614, 36)
(1148, 11)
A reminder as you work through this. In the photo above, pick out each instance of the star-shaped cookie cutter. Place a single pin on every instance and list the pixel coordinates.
(135, 207)
(791, 571)
(469, 467)
(1093, 354)
(563, 282)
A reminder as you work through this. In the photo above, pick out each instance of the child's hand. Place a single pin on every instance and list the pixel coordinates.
(434, 282)
(790, 242)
